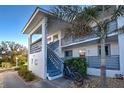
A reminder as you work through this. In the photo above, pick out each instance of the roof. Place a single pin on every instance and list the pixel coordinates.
(38, 9)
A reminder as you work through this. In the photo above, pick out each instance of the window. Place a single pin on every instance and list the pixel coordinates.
(107, 50)
(55, 38)
(49, 39)
(68, 53)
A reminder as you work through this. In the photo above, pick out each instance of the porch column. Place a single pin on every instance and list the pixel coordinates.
(121, 44)
(44, 48)
(29, 48)
(121, 51)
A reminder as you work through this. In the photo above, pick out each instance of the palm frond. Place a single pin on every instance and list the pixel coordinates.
(118, 12)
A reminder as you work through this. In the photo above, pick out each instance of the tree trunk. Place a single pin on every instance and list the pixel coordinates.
(103, 63)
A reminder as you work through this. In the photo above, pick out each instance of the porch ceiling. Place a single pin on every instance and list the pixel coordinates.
(35, 19)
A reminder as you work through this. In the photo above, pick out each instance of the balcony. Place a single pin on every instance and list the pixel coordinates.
(71, 40)
(35, 47)
(111, 27)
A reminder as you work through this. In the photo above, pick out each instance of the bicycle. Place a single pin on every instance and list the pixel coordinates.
(73, 75)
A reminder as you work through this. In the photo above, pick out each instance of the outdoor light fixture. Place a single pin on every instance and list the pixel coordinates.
(82, 52)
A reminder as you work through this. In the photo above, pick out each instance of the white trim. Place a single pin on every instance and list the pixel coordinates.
(44, 47)
(34, 29)
(121, 51)
(88, 40)
(55, 77)
(30, 20)
(29, 46)
(51, 35)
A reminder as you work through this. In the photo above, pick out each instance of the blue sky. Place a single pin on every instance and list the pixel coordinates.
(12, 21)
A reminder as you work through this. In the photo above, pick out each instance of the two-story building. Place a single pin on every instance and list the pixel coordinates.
(47, 45)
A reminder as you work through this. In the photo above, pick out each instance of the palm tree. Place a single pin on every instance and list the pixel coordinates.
(119, 11)
(84, 15)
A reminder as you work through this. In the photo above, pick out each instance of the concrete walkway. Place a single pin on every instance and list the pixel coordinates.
(10, 79)
(1, 81)
(58, 83)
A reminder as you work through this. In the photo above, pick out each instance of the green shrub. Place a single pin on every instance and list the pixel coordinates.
(17, 68)
(22, 60)
(0, 62)
(22, 71)
(29, 76)
(0, 65)
(6, 65)
(77, 64)
(25, 74)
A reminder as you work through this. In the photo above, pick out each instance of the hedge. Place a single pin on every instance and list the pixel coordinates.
(25, 74)
(78, 64)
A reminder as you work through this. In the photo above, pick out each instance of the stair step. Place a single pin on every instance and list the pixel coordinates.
(54, 73)
(53, 70)
(53, 63)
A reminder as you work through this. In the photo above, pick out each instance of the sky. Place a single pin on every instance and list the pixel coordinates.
(12, 21)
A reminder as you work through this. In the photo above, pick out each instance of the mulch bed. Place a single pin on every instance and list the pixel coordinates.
(94, 82)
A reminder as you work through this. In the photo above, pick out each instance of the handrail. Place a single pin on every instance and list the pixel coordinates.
(57, 61)
(55, 54)
(54, 45)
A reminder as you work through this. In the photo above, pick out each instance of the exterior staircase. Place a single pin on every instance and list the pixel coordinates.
(54, 64)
